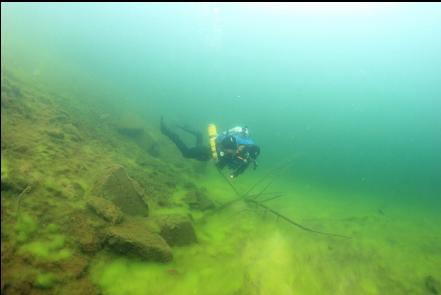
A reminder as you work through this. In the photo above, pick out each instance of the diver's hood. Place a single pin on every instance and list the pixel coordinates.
(239, 129)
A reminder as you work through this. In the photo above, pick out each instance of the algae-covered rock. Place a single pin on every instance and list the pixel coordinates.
(74, 268)
(123, 191)
(134, 239)
(177, 230)
(105, 209)
(90, 242)
(80, 226)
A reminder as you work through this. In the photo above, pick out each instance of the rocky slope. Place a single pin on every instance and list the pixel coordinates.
(75, 182)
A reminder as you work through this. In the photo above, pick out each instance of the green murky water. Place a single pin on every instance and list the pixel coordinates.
(346, 97)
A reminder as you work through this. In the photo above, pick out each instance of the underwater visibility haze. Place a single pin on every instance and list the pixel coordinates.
(343, 99)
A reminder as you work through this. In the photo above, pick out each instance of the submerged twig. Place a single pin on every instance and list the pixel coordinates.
(289, 220)
(266, 194)
(252, 198)
(282, 167)
(272, 198)
(20, 197)
(240, 197)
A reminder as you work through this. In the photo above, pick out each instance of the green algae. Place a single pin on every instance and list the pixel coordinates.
(50, 250)
(25, 227)
(49, 246)
(52, 228)
(46, 251)
(45, 280)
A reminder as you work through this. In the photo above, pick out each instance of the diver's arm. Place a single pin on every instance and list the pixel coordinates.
(240, 169)
(221, 163)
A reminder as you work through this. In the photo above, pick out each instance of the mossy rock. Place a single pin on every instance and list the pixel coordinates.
(85, 229)
(133, 238)
(177, 230)
(105, 209)
(74, 268)
(124, 192)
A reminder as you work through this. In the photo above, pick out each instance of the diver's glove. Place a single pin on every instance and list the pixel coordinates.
(234, 174)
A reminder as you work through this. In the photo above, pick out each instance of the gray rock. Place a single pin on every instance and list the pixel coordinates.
(105, 209)
(134, 239)
(124, 192)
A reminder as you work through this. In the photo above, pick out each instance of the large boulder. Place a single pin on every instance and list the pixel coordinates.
(124, 192)
(177, 230)
(134, 239)
(105, 209)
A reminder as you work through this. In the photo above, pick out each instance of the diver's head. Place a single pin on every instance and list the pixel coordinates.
(229, 143)
(245, 131)
(240, 130)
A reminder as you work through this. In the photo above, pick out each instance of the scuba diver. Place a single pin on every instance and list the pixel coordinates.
(232, 148)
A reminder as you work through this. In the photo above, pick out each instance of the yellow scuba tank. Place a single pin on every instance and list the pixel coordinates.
(212, 134)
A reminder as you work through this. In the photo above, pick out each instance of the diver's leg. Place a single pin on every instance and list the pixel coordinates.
(201, 153)
(175, 138)
(196, 133)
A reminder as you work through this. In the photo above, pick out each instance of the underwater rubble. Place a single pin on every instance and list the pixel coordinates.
(72, 189)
